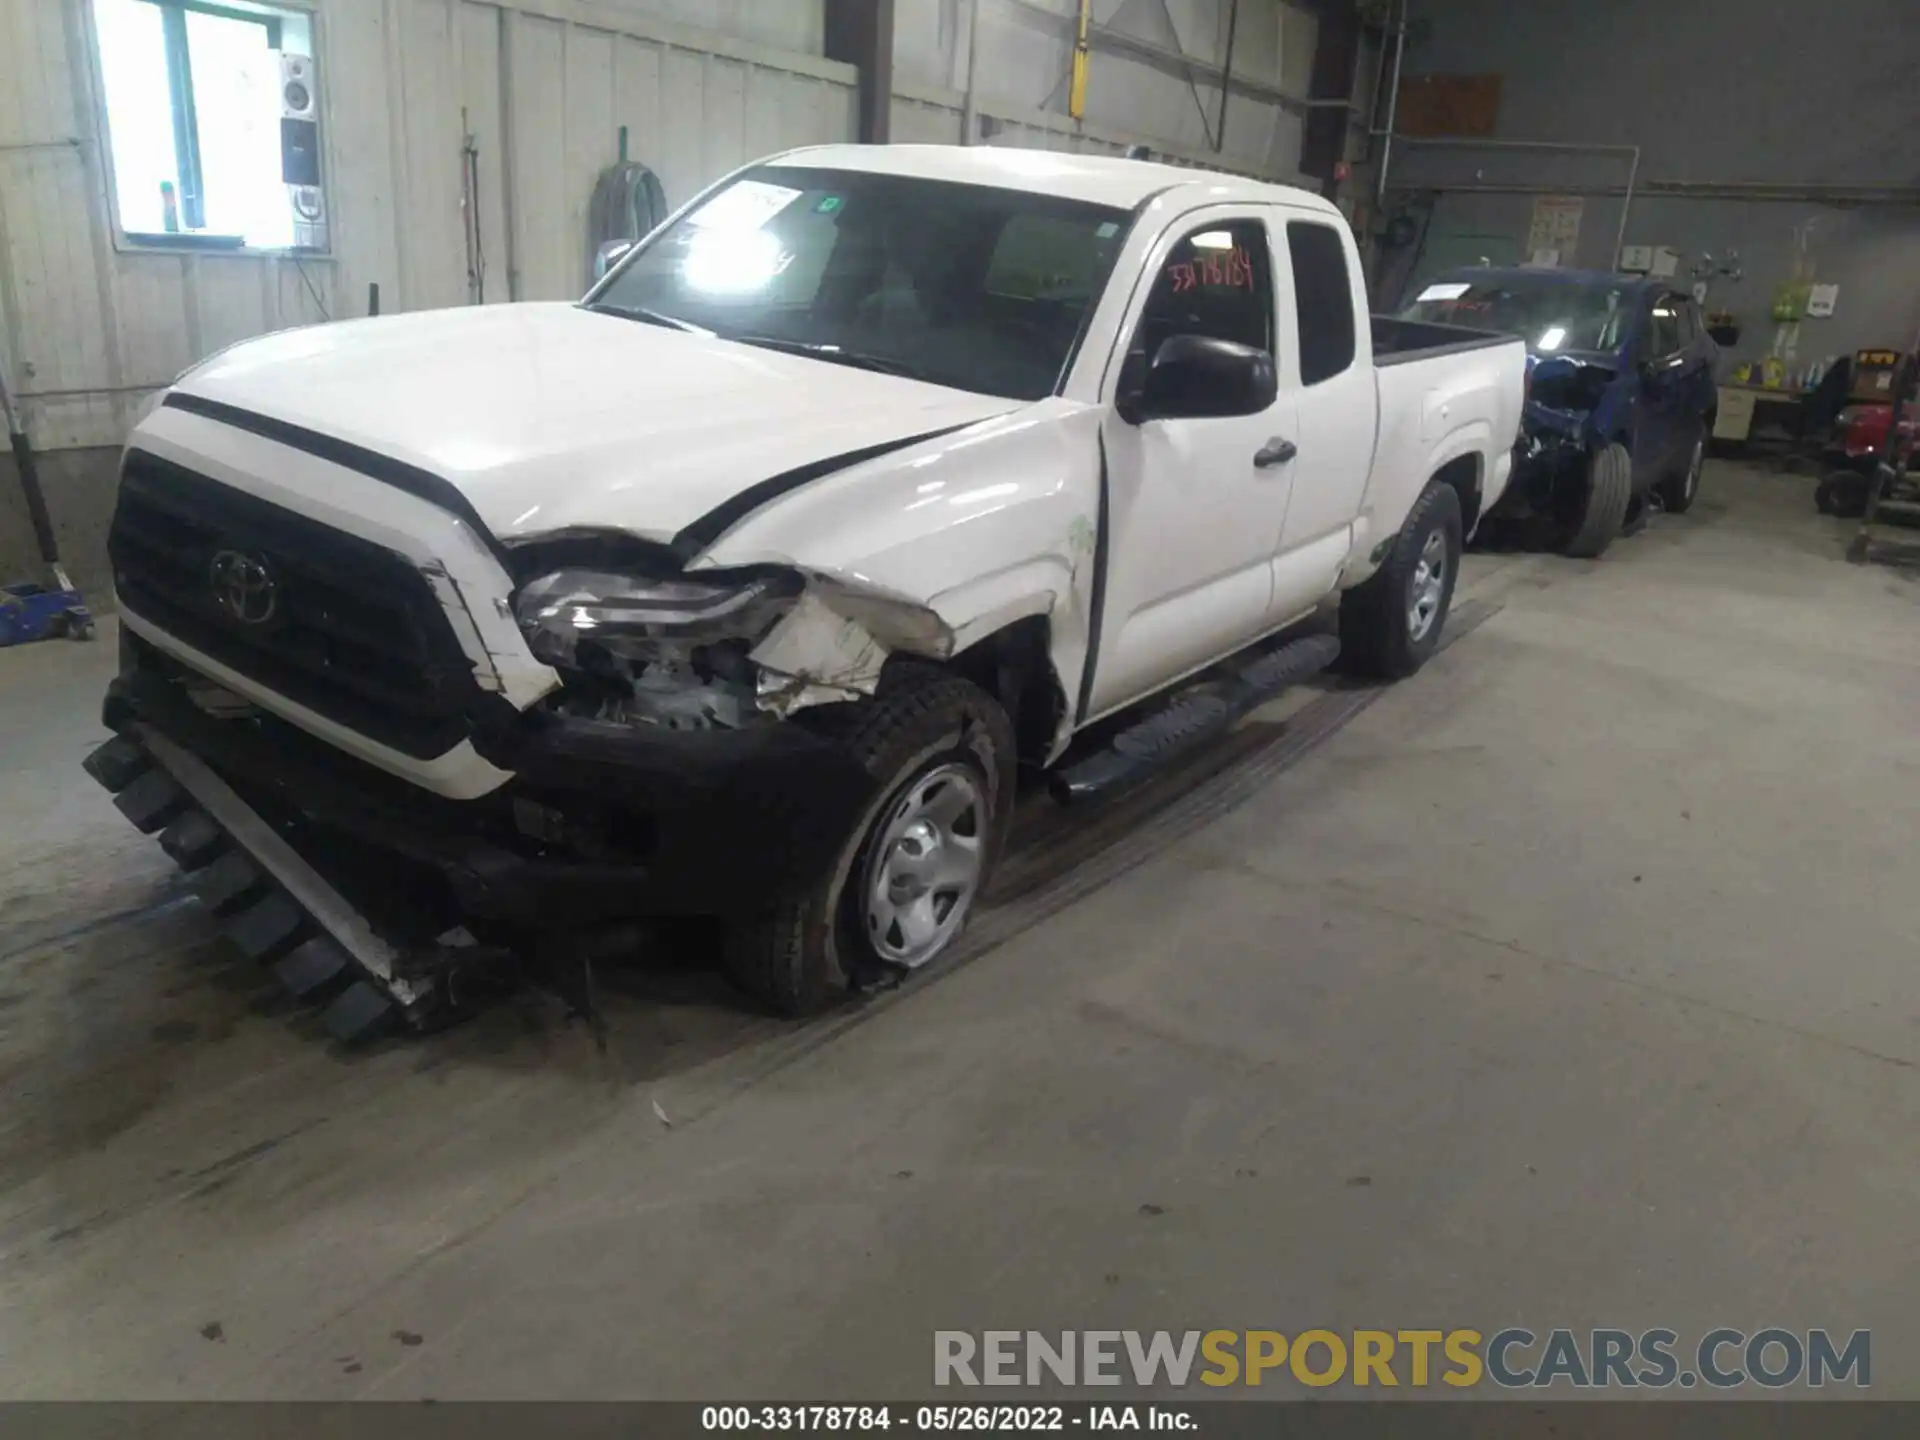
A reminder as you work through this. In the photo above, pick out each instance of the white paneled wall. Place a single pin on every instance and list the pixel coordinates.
(87, 326)
(779, 24)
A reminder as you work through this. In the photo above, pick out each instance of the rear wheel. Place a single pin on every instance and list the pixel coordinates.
(1603, 506)
(1683, 489)
(1391, 623)
(906, 879)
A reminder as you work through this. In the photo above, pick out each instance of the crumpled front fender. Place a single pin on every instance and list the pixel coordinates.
(931, 549)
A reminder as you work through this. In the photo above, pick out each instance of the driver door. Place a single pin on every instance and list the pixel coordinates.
(1195, 505)
(1660, 391)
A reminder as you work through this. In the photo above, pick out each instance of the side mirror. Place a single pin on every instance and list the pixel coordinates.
(1197, 376)
(608, 255)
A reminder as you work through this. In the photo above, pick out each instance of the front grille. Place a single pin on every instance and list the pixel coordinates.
(353, 630)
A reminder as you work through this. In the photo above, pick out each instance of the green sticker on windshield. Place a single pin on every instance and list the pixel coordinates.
(827, 204)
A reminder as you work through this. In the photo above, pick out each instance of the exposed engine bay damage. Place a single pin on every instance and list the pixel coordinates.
(1563, 393)
(637, 640)
(816, 657)
(823, 649)
(1567, 412)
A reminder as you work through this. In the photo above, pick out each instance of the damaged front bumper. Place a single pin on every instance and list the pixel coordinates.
(1549, 457)
(344, 876)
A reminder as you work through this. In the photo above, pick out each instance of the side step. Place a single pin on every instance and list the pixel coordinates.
(1194, 717)
(273, 905)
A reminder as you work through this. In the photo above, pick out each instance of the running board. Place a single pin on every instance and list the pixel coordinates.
(1193, 717)
(275, 907)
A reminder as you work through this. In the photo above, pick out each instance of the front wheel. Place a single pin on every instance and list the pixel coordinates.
(1390, 624)
(906, 879)
(1602, 503)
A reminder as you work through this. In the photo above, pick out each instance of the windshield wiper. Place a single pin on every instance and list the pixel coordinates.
(645, 316)
(818, 350)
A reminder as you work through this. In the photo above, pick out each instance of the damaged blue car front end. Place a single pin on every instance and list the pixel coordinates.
(1575, 404)
(1580, 390)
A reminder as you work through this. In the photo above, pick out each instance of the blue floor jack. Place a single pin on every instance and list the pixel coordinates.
(31, 611)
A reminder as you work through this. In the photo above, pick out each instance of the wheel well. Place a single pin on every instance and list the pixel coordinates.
(1463, 474)
(1015, 666)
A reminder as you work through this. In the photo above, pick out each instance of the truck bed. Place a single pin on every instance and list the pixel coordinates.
(1445, 393)
(1397, 341)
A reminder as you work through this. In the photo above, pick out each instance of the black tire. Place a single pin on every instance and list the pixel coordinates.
(1609, 491)
(1683, 487)
(1842, 493)
(812, 951)
(1376, 627)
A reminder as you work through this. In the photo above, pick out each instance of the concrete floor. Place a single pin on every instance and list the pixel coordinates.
(1572, 984)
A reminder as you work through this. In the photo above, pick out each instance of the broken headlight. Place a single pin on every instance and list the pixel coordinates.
(632, 617)
(655, 650)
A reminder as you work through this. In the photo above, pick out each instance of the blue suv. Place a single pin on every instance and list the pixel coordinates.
(1620, 394)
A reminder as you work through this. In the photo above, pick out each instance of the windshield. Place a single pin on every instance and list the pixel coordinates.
(970, 286)
(1548, 313)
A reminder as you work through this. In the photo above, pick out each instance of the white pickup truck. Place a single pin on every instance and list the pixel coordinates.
(745, 586)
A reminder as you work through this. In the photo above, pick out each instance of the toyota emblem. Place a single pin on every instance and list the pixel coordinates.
(244, 586)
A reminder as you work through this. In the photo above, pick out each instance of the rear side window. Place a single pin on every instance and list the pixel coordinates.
(1322, 298)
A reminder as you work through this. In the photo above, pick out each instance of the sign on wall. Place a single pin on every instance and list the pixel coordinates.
(1556, 225)
(1448, 105)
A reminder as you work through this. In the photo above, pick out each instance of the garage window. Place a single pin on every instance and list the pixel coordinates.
(1323, 300)
(212, 123)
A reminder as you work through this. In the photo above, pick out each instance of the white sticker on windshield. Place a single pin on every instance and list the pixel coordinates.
(1449, 291)
(745, 206)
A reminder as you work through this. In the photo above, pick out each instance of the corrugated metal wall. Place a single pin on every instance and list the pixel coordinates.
(86, 327)
(1747, 163)
(1164, 92)
(928, 115)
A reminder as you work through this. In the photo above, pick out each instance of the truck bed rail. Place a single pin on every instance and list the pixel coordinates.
(1397, 341)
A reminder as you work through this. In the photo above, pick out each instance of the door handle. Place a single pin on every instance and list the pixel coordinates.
(1275, 452)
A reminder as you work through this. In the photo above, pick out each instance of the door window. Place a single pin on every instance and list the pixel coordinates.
(1663, 329)
(1217, 282)
(1322, 299)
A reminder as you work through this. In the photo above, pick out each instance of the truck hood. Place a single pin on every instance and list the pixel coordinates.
(548, 417)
